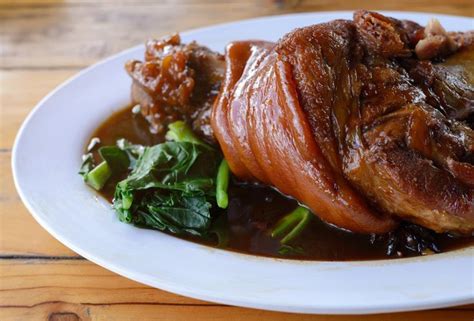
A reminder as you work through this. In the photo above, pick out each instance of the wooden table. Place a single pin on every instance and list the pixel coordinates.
(44, 42)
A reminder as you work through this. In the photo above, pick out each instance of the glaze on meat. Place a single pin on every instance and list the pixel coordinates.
(346, 118)
(176, 82)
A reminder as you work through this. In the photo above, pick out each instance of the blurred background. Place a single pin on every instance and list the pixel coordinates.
(77, 33)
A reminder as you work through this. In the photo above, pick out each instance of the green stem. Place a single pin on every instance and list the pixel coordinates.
(97, 177)
(292, 224)
(222, 183)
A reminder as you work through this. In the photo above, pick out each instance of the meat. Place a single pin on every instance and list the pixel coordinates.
(448, 86)
(266, 136)
(436, 43)
(176, 81)
(344, 117)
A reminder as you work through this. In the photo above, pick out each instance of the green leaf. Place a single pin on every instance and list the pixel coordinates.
(115, 162)
(176, 213)
(170, 188)
(168, 166)
(116, 158)
(133, 151)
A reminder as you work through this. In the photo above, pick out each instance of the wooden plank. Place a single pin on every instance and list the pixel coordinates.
(42, 290)
(60, 311)
(30, 3)
(78, 35)
(19, 92)
(35, 282)
(302, 5)
(20, 234)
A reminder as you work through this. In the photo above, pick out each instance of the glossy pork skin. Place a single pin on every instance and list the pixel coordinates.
(338, 121)
(265, 136)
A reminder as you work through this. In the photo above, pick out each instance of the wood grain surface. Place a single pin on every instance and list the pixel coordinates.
(44, 42)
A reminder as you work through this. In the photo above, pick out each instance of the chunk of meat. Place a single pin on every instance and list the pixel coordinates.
(266, 136)
(334, 115)
(436, 43)
(448, 86)
(177, 81)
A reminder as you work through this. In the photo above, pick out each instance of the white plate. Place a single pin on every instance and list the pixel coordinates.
(46, 158)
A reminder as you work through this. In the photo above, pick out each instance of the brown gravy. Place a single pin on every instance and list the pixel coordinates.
(253, 210)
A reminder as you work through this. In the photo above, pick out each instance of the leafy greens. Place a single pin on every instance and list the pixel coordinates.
(171, 188)
(177, 186)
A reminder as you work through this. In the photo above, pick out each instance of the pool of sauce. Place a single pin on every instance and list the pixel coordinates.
(253, 210)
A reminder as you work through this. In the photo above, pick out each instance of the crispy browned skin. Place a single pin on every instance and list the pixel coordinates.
(334, 115)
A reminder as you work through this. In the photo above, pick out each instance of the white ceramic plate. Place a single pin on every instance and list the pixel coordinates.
(46, 158)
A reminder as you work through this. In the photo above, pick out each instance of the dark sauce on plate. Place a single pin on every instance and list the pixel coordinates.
(253, 210)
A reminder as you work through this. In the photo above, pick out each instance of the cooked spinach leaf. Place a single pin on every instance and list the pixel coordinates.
(171, 187)
(173, 166)
(116, 158)
(115, 162)
(175, 212)
(133, 151)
